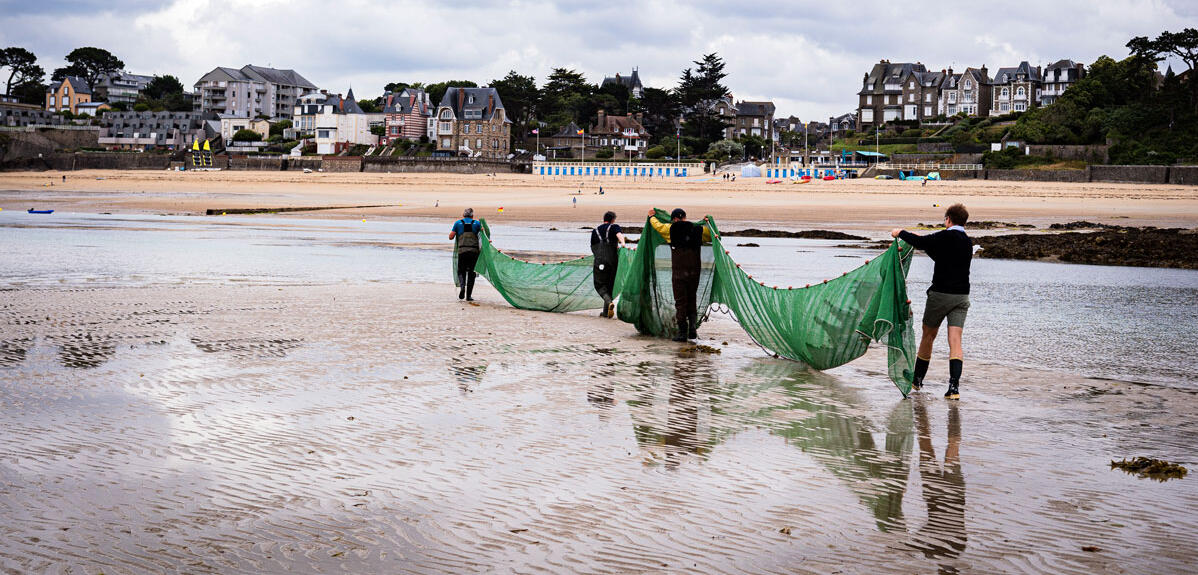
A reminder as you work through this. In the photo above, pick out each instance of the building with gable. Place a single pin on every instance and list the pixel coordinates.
(67, 94)
(966, 93)
(631, 81)
(250, 91)
(471, 122)
(1058, 77)
(619, 133)
(1015, 89)
(889, 92)
(407, 115)
(121, 87)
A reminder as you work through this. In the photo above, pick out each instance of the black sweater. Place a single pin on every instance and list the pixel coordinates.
(952, 251)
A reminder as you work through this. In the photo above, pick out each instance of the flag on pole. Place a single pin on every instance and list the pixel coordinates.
(501, 209)
(580, 132)
(536, 131)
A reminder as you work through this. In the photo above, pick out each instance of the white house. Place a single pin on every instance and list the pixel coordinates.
(341, 123)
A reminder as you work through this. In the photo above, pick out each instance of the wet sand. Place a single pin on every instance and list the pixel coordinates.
(392, 428)
(864, 205)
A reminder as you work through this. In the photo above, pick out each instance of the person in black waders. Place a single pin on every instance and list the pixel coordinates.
(466, 231)
(606, 241)
(685, 239)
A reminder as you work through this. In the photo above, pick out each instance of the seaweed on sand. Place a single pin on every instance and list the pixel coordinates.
(1157, 469)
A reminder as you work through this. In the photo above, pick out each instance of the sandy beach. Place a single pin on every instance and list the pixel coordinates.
(863, 205)
(339, 411)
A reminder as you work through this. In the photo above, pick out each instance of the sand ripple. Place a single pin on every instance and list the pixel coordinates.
(394, 429)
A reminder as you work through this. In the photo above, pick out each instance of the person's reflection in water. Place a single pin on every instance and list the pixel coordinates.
(602, 394)
(682, 413)
(469, 376)
(943, 490)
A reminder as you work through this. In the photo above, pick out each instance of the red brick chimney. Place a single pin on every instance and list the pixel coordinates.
(461, 101)
(490, 104)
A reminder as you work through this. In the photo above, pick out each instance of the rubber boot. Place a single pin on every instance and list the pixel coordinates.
(682, 330)
(692, 331)
(606, 307)
(470, 285)
(462, 286)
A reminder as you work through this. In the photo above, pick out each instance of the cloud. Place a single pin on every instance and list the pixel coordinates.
(807, 56)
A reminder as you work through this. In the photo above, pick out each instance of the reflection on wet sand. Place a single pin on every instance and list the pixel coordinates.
(943, 537)
(470, 374)
(671, 440)
(13, 351)
(85, 350)
(839, 434)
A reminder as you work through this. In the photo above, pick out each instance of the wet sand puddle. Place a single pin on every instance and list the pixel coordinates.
(375, 429)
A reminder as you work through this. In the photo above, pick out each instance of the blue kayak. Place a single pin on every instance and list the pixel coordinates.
(33, 211)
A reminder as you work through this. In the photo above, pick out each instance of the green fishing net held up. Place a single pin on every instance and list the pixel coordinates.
(823, 325)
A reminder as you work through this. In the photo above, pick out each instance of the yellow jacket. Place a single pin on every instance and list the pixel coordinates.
(664, 229)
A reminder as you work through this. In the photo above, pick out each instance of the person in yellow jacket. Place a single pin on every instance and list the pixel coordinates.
(685, 239)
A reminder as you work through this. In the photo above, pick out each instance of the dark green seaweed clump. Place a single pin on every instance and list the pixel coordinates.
(1157, 469)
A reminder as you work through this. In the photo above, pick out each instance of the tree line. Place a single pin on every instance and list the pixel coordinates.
(25, 78)
(1147, 117)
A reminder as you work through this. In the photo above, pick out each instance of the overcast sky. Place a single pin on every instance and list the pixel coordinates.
(807, 57)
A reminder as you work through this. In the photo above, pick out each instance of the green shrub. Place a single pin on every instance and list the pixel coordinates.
(604, 154)
(655, 153)
(246, 136)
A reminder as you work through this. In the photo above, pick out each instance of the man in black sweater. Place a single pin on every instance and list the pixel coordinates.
(948, 296)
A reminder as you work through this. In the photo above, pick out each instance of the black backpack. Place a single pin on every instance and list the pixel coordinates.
(468, 239)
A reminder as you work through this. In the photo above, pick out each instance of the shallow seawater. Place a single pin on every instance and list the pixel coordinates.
(1129, 324)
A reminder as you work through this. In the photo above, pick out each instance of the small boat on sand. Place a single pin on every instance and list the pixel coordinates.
(33, 211)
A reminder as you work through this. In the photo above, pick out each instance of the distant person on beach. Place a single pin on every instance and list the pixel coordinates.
(466, 232)
(948, 296)
(576, 202)
(606, 241)
(685, 239)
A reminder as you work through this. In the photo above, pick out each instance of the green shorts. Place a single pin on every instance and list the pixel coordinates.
(954, 306)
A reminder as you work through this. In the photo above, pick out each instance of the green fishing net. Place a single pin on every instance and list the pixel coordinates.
(824, 325)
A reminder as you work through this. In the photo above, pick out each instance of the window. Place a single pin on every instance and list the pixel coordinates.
(1020, 92)
(478, 143)
(1005, 92)
(927, 97)
(1020, 106)
(927, 111)
(470, 99)
(478, 129)
(495, 142)
(869, 100)
(445, 142)
(911, 97)
(1005, 107)
(446, 115)
(968, 84)
(322, 134)
(911, 84)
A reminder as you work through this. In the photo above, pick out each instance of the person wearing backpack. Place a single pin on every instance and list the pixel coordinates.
(606, 241)
(466, 231)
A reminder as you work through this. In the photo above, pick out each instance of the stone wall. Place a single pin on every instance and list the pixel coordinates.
(1183, 175)
(1137, 174)
(342, 164)
(447, 165)
(247, 163)
(1093, 154)
(304, 162)
(29, 142)
(1038, 175)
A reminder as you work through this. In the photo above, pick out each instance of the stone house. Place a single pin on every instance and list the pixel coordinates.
(1015, 89)
(67, 94)
(966, 93)
(889, 92)
(121, 87)
(754, 119)
(619, 134)
(471, 122)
